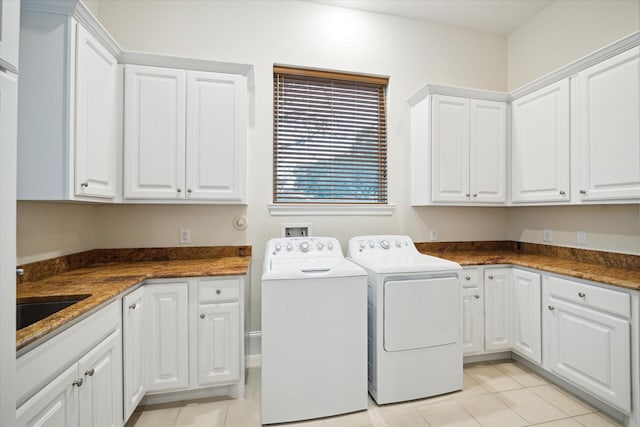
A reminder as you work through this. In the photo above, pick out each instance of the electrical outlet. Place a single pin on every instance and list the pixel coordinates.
(433, 234)
(547, 235)
(302, 229)
(185, 235)
(582, 237)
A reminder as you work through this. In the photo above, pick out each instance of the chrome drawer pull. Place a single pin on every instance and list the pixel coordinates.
(90, 372)
(476, 296)
(78, 382)
(551, 308)
(582, 294)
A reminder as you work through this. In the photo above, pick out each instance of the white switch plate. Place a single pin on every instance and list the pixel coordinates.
(547, 235)
(582, 237)
(433, 234)
(185, 235)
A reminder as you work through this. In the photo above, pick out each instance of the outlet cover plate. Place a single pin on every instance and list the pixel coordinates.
(547, 236)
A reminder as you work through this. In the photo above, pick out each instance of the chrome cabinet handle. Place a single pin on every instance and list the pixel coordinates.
(133, 306)
(90, 372)
(475, 195)
(582, 294)
(84, 185)
(583, 192)
(467, 277)
(218, 291)
(179, 190)
(490, 277)
(189, 190)
(468, 195)
(551, 308)
(78, 382)
(562, 193)
(202, 316)
(476, 296)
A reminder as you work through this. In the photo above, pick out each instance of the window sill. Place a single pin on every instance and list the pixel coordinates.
(308, 209)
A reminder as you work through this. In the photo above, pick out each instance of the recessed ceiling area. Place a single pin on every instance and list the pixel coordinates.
(500, 17)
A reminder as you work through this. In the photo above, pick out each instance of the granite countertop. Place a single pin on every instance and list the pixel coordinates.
(612, 269)
(104, 282)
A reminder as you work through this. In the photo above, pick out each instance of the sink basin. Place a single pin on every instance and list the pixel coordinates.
(30, 312)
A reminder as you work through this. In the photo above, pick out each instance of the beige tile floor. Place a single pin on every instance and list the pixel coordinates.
(496, 394)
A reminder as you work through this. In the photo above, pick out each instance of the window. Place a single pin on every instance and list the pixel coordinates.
(330, 137)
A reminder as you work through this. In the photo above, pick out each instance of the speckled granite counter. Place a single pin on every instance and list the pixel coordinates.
(101, 281)
(604, 267)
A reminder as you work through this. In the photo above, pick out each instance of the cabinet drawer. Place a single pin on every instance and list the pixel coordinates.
(215, 290)
(470, 277)
(608, 300)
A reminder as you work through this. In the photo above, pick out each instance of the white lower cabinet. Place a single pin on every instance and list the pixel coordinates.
(194, 335)
(501, 311)
(587, 338)
(472, 312)
(497, 292)
(218, 343)
(75, 378)
(133, 350)
(167, 336)
(526, 329)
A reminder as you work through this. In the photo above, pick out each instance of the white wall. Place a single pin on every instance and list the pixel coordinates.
(565, 31)
(48, 230)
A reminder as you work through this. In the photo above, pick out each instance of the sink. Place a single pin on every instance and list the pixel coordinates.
(28, 313)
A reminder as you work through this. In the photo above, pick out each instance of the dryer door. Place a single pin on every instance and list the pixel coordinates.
(421, 313)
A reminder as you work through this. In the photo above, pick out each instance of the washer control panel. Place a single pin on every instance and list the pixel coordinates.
(304, 246)
(379, 244)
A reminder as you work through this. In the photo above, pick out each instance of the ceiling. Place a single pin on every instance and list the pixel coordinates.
(493, 16)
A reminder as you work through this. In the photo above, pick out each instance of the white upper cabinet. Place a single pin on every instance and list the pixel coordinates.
(216, 137)
(184, 135)
(67, 121)
(154, 133)
(487, 165)
(468, 150)
(9, 34)
(540, 145)
(96, 110)
(607, 128)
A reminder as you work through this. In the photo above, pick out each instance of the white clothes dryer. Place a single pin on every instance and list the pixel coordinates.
(414, 316)
(314, 331)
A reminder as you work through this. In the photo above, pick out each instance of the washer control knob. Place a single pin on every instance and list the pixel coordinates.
(278, 247)
(304, 246)
(362, 245)
(320, 246)
(330, 246)
(398, 243)
(289, 246)
(372, 244)
(384, 244)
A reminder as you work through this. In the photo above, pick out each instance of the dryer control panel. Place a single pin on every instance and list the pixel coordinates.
(384, 243)
(304, 247)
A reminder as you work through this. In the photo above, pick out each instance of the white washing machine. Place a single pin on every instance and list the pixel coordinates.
(314, 331)
(414, 315)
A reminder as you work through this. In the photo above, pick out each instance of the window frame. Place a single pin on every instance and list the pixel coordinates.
(351, 206)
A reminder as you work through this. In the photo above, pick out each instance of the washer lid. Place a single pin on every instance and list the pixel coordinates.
(310, 267)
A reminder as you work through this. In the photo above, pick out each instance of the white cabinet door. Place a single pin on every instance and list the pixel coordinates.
(540, 145)
(100, 396)
(450, 149)
(154, 133)
(9, 33)
(134, 363)
(607, 129)
(218, 343)
(95, 147)
(497, 293)
(167, 339)
(487, 167)
(526, 323)
(590, 349)
(216, 137)
(55, 405)
(472, 320)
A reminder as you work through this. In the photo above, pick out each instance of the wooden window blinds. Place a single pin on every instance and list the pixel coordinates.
(330, 137)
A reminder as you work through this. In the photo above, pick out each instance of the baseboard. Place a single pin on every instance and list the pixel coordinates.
(475, 358)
